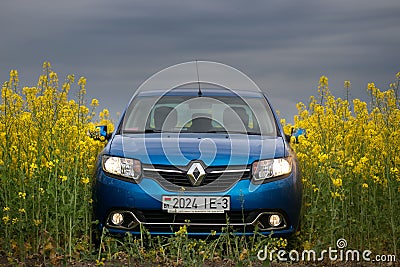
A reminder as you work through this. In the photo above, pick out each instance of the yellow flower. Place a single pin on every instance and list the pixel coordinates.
(364, 185)
(243, 254)
(82, 81)
(21, 210)
(63, 178)
(364, 160)
(6, 219)
(323, 80)
(22, 195)
(336, 194)
(14, 76)
(71, 78)
(85, 180)
(49, 165)
(182, 231)
(95, 102)
(394, 170)
(282, 243)
(337, 182)
(46, 65)
(100, 262)
(37, 222)
(6, 209)
(83, 109)
(322, 157)
(371, 86)
(307, 245)
(13, 73)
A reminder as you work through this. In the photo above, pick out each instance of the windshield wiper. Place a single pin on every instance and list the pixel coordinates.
(141, 131)
(152, 131)
(253, 133)
(233, 132)
(158, 131)
(215, 131)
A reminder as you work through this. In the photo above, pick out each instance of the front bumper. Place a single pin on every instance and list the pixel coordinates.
(251, 206)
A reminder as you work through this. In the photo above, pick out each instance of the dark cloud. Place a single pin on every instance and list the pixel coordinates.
(283, 45)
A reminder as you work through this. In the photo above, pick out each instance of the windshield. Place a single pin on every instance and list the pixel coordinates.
(189, 112)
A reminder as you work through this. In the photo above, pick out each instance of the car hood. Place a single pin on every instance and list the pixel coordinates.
(180, 149)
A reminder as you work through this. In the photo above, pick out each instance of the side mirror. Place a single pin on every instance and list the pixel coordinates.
(102, 130)
(298, 132)
(100, 133)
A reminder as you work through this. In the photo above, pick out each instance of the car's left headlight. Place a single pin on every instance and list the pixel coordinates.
(270, 168)
(125, 167)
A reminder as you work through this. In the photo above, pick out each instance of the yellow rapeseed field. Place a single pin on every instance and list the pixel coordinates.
(350, 160)
(46, 166)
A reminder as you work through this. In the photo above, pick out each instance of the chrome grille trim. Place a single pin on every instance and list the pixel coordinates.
(162, 170)
(231, 171)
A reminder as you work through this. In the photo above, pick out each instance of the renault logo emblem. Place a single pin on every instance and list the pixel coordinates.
(196, 173)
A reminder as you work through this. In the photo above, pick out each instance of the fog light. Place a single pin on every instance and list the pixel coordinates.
(117, 218)
(275, 220)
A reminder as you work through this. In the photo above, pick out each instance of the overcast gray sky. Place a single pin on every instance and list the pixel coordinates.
(284, 46)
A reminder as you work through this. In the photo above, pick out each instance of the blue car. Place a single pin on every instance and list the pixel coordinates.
(198, 145)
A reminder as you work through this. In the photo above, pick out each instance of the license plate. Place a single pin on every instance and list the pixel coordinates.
(196, 204)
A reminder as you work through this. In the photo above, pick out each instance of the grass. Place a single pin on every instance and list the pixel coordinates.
(181, 250)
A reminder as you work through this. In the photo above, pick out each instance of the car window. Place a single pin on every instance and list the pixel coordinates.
(194, 114)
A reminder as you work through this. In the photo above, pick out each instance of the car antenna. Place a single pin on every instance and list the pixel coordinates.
(199, 93)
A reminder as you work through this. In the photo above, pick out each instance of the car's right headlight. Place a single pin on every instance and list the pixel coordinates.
(124, 167)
